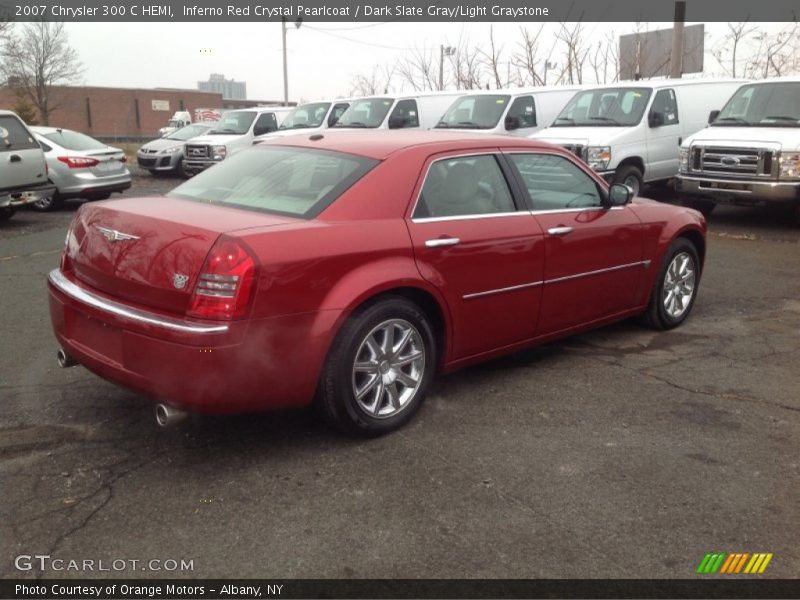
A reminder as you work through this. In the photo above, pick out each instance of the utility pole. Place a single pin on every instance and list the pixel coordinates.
(285, 66)
(676, 58)
(444, 51)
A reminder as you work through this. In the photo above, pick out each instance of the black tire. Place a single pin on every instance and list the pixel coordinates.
(94, 197)
(705, 207)
(336, 395)
(656, 315)
(6, 213)
(49, 204)
(632, 175)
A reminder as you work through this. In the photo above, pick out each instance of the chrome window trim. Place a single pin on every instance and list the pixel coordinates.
(643, 263)
(126, 312)
(493, 153)
(550, 211)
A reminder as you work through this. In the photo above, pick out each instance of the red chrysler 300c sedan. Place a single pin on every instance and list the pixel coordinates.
(350, 268)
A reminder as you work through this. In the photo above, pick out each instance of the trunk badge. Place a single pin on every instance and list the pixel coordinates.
(112, 235)
(179, 280)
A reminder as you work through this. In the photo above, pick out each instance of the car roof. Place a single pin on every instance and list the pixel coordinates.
(380, 144)
(660, 83)
(45, 130)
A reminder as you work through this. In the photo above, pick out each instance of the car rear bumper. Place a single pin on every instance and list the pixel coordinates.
(12, 199)
(738, 190)
(200, 366)
(85, 185)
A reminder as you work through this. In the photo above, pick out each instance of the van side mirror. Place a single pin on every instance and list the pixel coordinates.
(619, 194)
(712, 116)
(656, 119)
(512, 123)
(397, 122)
(262, 129)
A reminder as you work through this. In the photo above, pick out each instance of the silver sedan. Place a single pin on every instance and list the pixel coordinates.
(80, 166)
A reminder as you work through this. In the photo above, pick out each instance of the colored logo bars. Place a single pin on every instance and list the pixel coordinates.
(733, 563)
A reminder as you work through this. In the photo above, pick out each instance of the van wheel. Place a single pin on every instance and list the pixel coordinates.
(379, 368)
(6, 213)
(705, 207)
(675, 287)
(631, 176)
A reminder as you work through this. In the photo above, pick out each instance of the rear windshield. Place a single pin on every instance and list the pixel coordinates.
(298, 182)
(368, 113)
(234, 123)
(474, 112)
(72, 140)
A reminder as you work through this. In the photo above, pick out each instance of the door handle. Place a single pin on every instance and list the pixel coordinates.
(15, 158)
(559, 230)
(440, 242)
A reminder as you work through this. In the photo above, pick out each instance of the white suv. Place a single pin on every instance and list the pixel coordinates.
(23, 171)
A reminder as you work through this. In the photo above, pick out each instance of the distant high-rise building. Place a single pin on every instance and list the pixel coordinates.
(230, 89)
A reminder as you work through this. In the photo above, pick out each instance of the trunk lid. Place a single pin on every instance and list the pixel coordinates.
(149, 251)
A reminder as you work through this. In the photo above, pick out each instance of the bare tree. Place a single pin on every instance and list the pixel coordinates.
(726, 50)
(575, 52)
(420, 70)
(605, 60)
(377, 81)
(492, 58)
(38, 58)
(776, 54)
(526, 58)
(467, 66)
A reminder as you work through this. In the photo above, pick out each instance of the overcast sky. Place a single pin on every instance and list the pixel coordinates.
(323, 57)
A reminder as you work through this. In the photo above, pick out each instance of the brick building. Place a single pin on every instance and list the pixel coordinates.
(119, 113)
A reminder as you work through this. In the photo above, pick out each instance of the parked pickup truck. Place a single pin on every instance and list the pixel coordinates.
(234, 132)
(23, 171)
(750, 152)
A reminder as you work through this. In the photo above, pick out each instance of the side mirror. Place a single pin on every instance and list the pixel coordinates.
(512, 123)
(619, 194)
(712, 116)
(264, 129)
(656, 119)
(397, 122)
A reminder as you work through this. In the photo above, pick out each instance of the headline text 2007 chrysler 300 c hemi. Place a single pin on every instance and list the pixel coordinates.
(348, 269)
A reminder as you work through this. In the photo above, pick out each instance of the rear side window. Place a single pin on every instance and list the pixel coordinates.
(404, 115)
(555, 183)
(14, 136)
(336, 112)
(464, 186)
(299, 182)
(521, 114)
(666, 104)
(266, 123)
(72, 140)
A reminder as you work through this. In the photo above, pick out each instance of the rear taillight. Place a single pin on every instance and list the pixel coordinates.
(225, 285)
(78, 162)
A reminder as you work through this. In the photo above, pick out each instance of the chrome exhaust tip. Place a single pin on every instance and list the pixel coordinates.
(65, 360)
(167, 416)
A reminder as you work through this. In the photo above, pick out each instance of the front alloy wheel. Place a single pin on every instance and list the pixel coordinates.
(675, 287)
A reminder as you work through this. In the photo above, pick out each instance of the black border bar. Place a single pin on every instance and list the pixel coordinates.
(717, 587)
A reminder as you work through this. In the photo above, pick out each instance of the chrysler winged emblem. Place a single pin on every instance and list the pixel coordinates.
(112, 235)
(179, 280)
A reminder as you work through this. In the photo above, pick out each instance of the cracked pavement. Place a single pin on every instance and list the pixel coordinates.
(619, 453)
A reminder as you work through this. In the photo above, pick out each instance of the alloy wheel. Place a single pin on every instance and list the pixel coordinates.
(679, 284)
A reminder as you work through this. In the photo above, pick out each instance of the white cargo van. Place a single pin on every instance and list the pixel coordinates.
(630, 133)
(233, 133)
(520, 112)
(419, 109)
(750, 153)
(308, 118)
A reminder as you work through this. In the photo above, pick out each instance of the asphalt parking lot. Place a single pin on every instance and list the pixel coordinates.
(618, 453)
